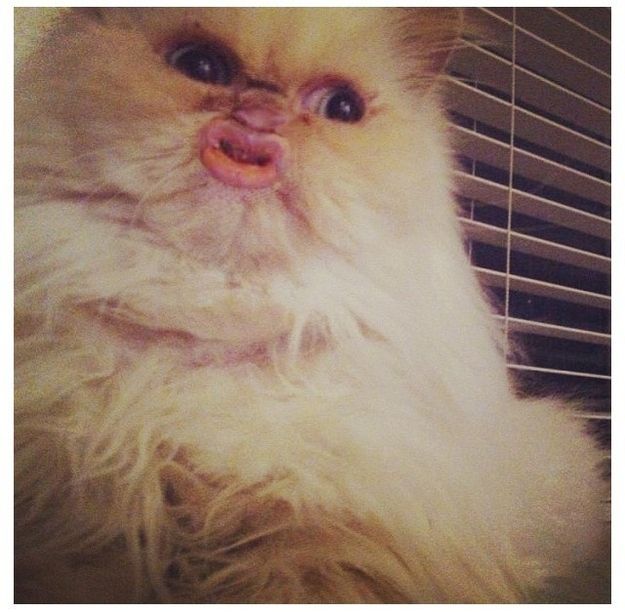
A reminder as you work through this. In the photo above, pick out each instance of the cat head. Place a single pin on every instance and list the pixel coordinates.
(235, 135)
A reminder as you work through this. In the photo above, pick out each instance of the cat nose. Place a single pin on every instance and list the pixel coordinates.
(260, 106)
(261, 117)
(241, 155)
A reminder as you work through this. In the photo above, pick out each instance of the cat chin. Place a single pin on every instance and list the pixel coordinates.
(126, 274)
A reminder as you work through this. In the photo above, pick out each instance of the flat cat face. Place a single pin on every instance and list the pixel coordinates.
(123, 89)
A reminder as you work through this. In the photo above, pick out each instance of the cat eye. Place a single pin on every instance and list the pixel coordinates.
(203, 62)
(338, 102)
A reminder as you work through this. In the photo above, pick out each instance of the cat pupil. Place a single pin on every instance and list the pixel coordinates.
(344, 105)
(202, 63)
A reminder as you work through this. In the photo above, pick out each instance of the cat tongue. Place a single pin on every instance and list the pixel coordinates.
(241, 157)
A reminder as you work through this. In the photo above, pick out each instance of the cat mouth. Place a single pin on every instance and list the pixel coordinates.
(242, 157)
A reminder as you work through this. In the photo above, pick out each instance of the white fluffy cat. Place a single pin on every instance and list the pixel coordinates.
(252, 362)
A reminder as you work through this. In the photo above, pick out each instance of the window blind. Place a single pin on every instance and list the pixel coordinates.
(530, 104)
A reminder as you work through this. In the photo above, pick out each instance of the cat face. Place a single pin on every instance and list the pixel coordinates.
(288, 136)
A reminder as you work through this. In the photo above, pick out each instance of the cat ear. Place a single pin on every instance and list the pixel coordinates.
(430, 35)
(450, 38)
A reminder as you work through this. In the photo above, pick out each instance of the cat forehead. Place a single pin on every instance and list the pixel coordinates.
(276, 37)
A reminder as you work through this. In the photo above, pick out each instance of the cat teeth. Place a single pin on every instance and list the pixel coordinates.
(241, 155)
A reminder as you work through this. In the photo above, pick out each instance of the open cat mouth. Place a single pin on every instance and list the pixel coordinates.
(241, 157)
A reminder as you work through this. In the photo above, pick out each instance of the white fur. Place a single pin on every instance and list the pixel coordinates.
(376, 451)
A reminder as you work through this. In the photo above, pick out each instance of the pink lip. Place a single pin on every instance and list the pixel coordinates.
(241, 157)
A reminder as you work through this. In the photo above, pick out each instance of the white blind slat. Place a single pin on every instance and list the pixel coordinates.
(570, 36)
(495, 278)
(492, 111)
(528, 165)
(481, 189)
(557, 66)
(554, 331)
(548, 133)
(495, 236)
(596, 22)
(533, 91)
(526, 368)
(552, 46)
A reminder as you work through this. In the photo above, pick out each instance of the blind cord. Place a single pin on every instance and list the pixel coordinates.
(510, 185)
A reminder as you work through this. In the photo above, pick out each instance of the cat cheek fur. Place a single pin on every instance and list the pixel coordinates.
(291, 394)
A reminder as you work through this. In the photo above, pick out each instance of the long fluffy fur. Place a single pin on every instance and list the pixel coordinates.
(299, 398)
